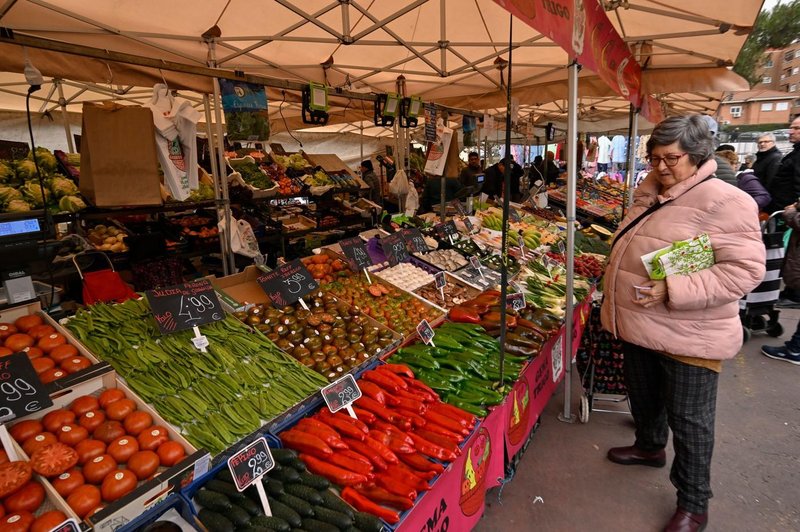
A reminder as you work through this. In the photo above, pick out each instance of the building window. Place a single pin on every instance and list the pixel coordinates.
(795, 70)
(782, 106)
(766, 107)
(736, 111)
(789, 55)
(784, 74)
(797, 54)
(793, 87)
(766, 79)
(768, 62)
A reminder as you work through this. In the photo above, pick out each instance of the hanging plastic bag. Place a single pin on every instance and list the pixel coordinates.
(399, 185)
(412, 201)
(243, 239)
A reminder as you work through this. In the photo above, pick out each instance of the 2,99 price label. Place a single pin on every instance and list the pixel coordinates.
(341, 393)
(21, 391)
(184, 306)
(250, 464)
(515, 301)
(286, 284)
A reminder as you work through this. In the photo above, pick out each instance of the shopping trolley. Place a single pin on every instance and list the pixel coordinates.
(757, 309)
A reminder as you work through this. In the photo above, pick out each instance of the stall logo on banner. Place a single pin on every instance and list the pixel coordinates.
(473, 488)
(583, 29)
(430, 122)
(518, 412)
(245, 106)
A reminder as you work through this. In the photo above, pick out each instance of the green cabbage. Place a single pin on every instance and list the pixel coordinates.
(26, 169)
(9, 194)
(71, 204)
(47, 161)
(32, 193)
(17, 205)
(61, 186)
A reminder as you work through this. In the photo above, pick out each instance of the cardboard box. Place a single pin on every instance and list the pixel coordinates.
(239, 290)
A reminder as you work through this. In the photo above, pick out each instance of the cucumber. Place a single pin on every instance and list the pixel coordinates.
(304, 492)
(318, 526)
(333, 517)
(283, 456)
(314, 481)
(215, 522)
(250, 506)
(226, 488)
(271, 523)
(287, 475)
(298, 465)
(282, 511)
(212, 500)
(368, 522)
(225, 475)
(272, 486)
(332, 501)
(238, 516)
(297, 504)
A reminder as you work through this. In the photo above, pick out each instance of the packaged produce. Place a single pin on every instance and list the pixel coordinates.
(215, 397)
(471, 276)
(406, 276)
(587, 266)
(454, 293)
(445, 259)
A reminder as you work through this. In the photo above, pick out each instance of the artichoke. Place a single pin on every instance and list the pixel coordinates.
(32, 193)
(61, 186)
(26, 169)
(8, 194)
(47, 161)
(17, 205)
(71, 204)
(6, 172)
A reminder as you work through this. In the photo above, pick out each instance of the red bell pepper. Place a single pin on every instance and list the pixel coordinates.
(356, 466)
(344, 428)
(365, 415)
(355, 456)
(407, 476)
(464, 314)
(439, 439)
(374, 493)
(453, 412)
(399, 369)
(430, 449)
(388, 456)
(381, 380)
(306, 443)
(363, 504)
(412, 405)
(420, 463)
(395, 485)
(335, 474)
(416, 420)
(363, 449)
(321, 431)
(391, 376)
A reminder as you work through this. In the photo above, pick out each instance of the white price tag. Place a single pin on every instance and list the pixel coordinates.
(557, 358)
(200, 342)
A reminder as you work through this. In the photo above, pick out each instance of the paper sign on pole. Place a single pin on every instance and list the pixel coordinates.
(437, 155)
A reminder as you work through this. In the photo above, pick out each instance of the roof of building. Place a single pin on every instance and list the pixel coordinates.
(756, 95)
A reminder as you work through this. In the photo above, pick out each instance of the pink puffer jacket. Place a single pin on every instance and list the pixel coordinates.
(701, 315)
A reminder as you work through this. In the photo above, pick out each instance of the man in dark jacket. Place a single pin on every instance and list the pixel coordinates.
(768, 159)
(785, 187)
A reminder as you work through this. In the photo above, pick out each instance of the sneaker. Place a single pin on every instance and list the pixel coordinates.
(781, 353)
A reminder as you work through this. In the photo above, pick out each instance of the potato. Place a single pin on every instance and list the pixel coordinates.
(110, 240)
(105, 247)
(117, 247)
(112, 231)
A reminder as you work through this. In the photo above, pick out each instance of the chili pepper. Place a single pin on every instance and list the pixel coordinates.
(360, 425)
(356, 466)
(410, 404)
(411, 393)
(446, 422)
(399, 369)
(430, 449)
(400, 444)
(516, 339)
(396, 486)
(515, 349)
(391, 429)
(407, 477)
(374, 493)
(367, 451)
(424, 475)
(388, 456)
(438, 429)
(477, 306)
(344, 428)
(522, 322)
(349, 453)
(464, 314)
(365, 415)
(391, 376)
(416, 419)
(381, 380)
(439, 439)
(335, 474)
(421, 388)
(453, 412)
(380, 436)
(363, 504)
(370, 389)
(321, 431)
(387, 415)
(420, 463)
(306, 443)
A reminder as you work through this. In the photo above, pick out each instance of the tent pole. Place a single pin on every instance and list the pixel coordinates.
(631, 174)
(63, 103)
(214, 173)
(506, 227)
(572, 145)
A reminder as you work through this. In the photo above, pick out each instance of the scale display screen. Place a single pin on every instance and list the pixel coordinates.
(19, 227)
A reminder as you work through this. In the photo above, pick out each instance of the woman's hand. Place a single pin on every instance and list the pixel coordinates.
(654, 292)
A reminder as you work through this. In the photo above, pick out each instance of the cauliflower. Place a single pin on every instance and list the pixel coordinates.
(17, 205)
(61, 186)
(32, 193)
(71, 204)
(47, 161)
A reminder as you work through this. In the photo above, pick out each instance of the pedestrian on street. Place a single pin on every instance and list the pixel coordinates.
(768, 159)
(785, 187)
(677, 331)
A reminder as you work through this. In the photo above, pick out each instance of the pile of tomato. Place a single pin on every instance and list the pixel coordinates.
(22, 497)
(97, 450)
(52, 357)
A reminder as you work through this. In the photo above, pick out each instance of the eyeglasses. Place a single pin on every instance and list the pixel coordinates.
(764, 142)
(670, 160)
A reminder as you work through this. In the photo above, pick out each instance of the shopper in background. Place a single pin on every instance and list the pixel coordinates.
(725, 171)
(677, 331)
(431, 196)
(374, 182)
(549, 169)
(768, 159)
(785, 186)
(469, 174)
(749, 159)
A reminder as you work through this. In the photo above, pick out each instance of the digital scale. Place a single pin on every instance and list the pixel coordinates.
(19, 248)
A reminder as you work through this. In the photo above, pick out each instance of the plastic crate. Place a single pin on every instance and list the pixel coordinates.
(173, 501)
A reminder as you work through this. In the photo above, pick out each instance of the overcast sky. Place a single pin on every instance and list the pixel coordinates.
(769, 4)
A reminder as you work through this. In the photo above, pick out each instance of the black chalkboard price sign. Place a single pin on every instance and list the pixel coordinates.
(341, 394)
(446, 230)
(287, 283)
(459, 207)
(356, 252)
(250, 464)
(440, 280)
(515, 301)
(21, 391)
(425, 332)
(394, 247)
(468, 225)
(513, 215)
(185, 306)
(70, 525)
(415, 241)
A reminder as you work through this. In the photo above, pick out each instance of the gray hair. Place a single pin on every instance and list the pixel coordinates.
(749, 157)
(690, 132)
(767, 136)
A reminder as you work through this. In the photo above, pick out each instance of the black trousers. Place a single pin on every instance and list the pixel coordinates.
(667, 394)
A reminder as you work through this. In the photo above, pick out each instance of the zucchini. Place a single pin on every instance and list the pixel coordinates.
(215, 522)
(272, 486)
(226, 488)
(297, 504)
(314, 481)
(318, 526)
(332, 501)
(333, 517)
(212, 500)
(368, 522)
(270, 523)
(250, 506)
(282, 511)
(304, 492)
(287, 475)
(283, 456)
(238, 516)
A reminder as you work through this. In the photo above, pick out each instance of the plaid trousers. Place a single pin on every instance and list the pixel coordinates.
(667, 394)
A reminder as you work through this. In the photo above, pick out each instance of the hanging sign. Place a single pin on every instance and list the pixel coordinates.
(288, 283)
(245, 106)
(430, 122)
(356, 252)
(21, 391)
(184, 306)
(342, 394)
(415, 240)
(394, 247)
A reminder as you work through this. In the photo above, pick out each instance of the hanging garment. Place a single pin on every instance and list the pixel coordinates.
(603, 150)
(619, 149)
(641, 150)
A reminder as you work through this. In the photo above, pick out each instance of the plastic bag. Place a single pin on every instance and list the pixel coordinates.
(412, 201)
(399, 185)
(243, 239)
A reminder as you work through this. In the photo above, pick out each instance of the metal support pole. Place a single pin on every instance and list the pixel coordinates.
(572, 145)
(214, 173)
(443, 34)
(63, 103)
(630, 179)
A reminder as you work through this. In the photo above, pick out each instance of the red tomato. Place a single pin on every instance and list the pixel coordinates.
(33, 352)
(108, 431)
(96, 469)
(83, 404)
(26, 499)
(63, 352)
(119, 410)
(56, 419)
(14, 475)
(25, 429)
(150, 439)
(89, 449)
(48, 521)
(122, 448)
(111, 395)
(3, 457)
(34, 443)
(143, 464)
(42, 364)
(84, 499)
(118, 484)
(26, 323)
(170, 453)
(51, 375)
(91, 420)
(40, 331)
(4, 352)
(75, 364)
(68, 482)
(72, 434)
(51, 341)
(2, 510)
(6, 330)
(19, 341)
(136, 422)
(54, 459)
(17, 522)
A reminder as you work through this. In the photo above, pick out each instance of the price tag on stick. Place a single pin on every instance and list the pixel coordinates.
(70, 525)
(394, 247)
(415, 240)
(515, 301)
(426, 332)
(185, 306)
(249, 465)
(342, 394)
(468, 225)
(521, 242)
(440, 281)
(288, 283)
(476, 265)
(356, 252)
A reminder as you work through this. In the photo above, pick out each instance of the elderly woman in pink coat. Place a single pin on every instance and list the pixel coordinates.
(678, 330)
